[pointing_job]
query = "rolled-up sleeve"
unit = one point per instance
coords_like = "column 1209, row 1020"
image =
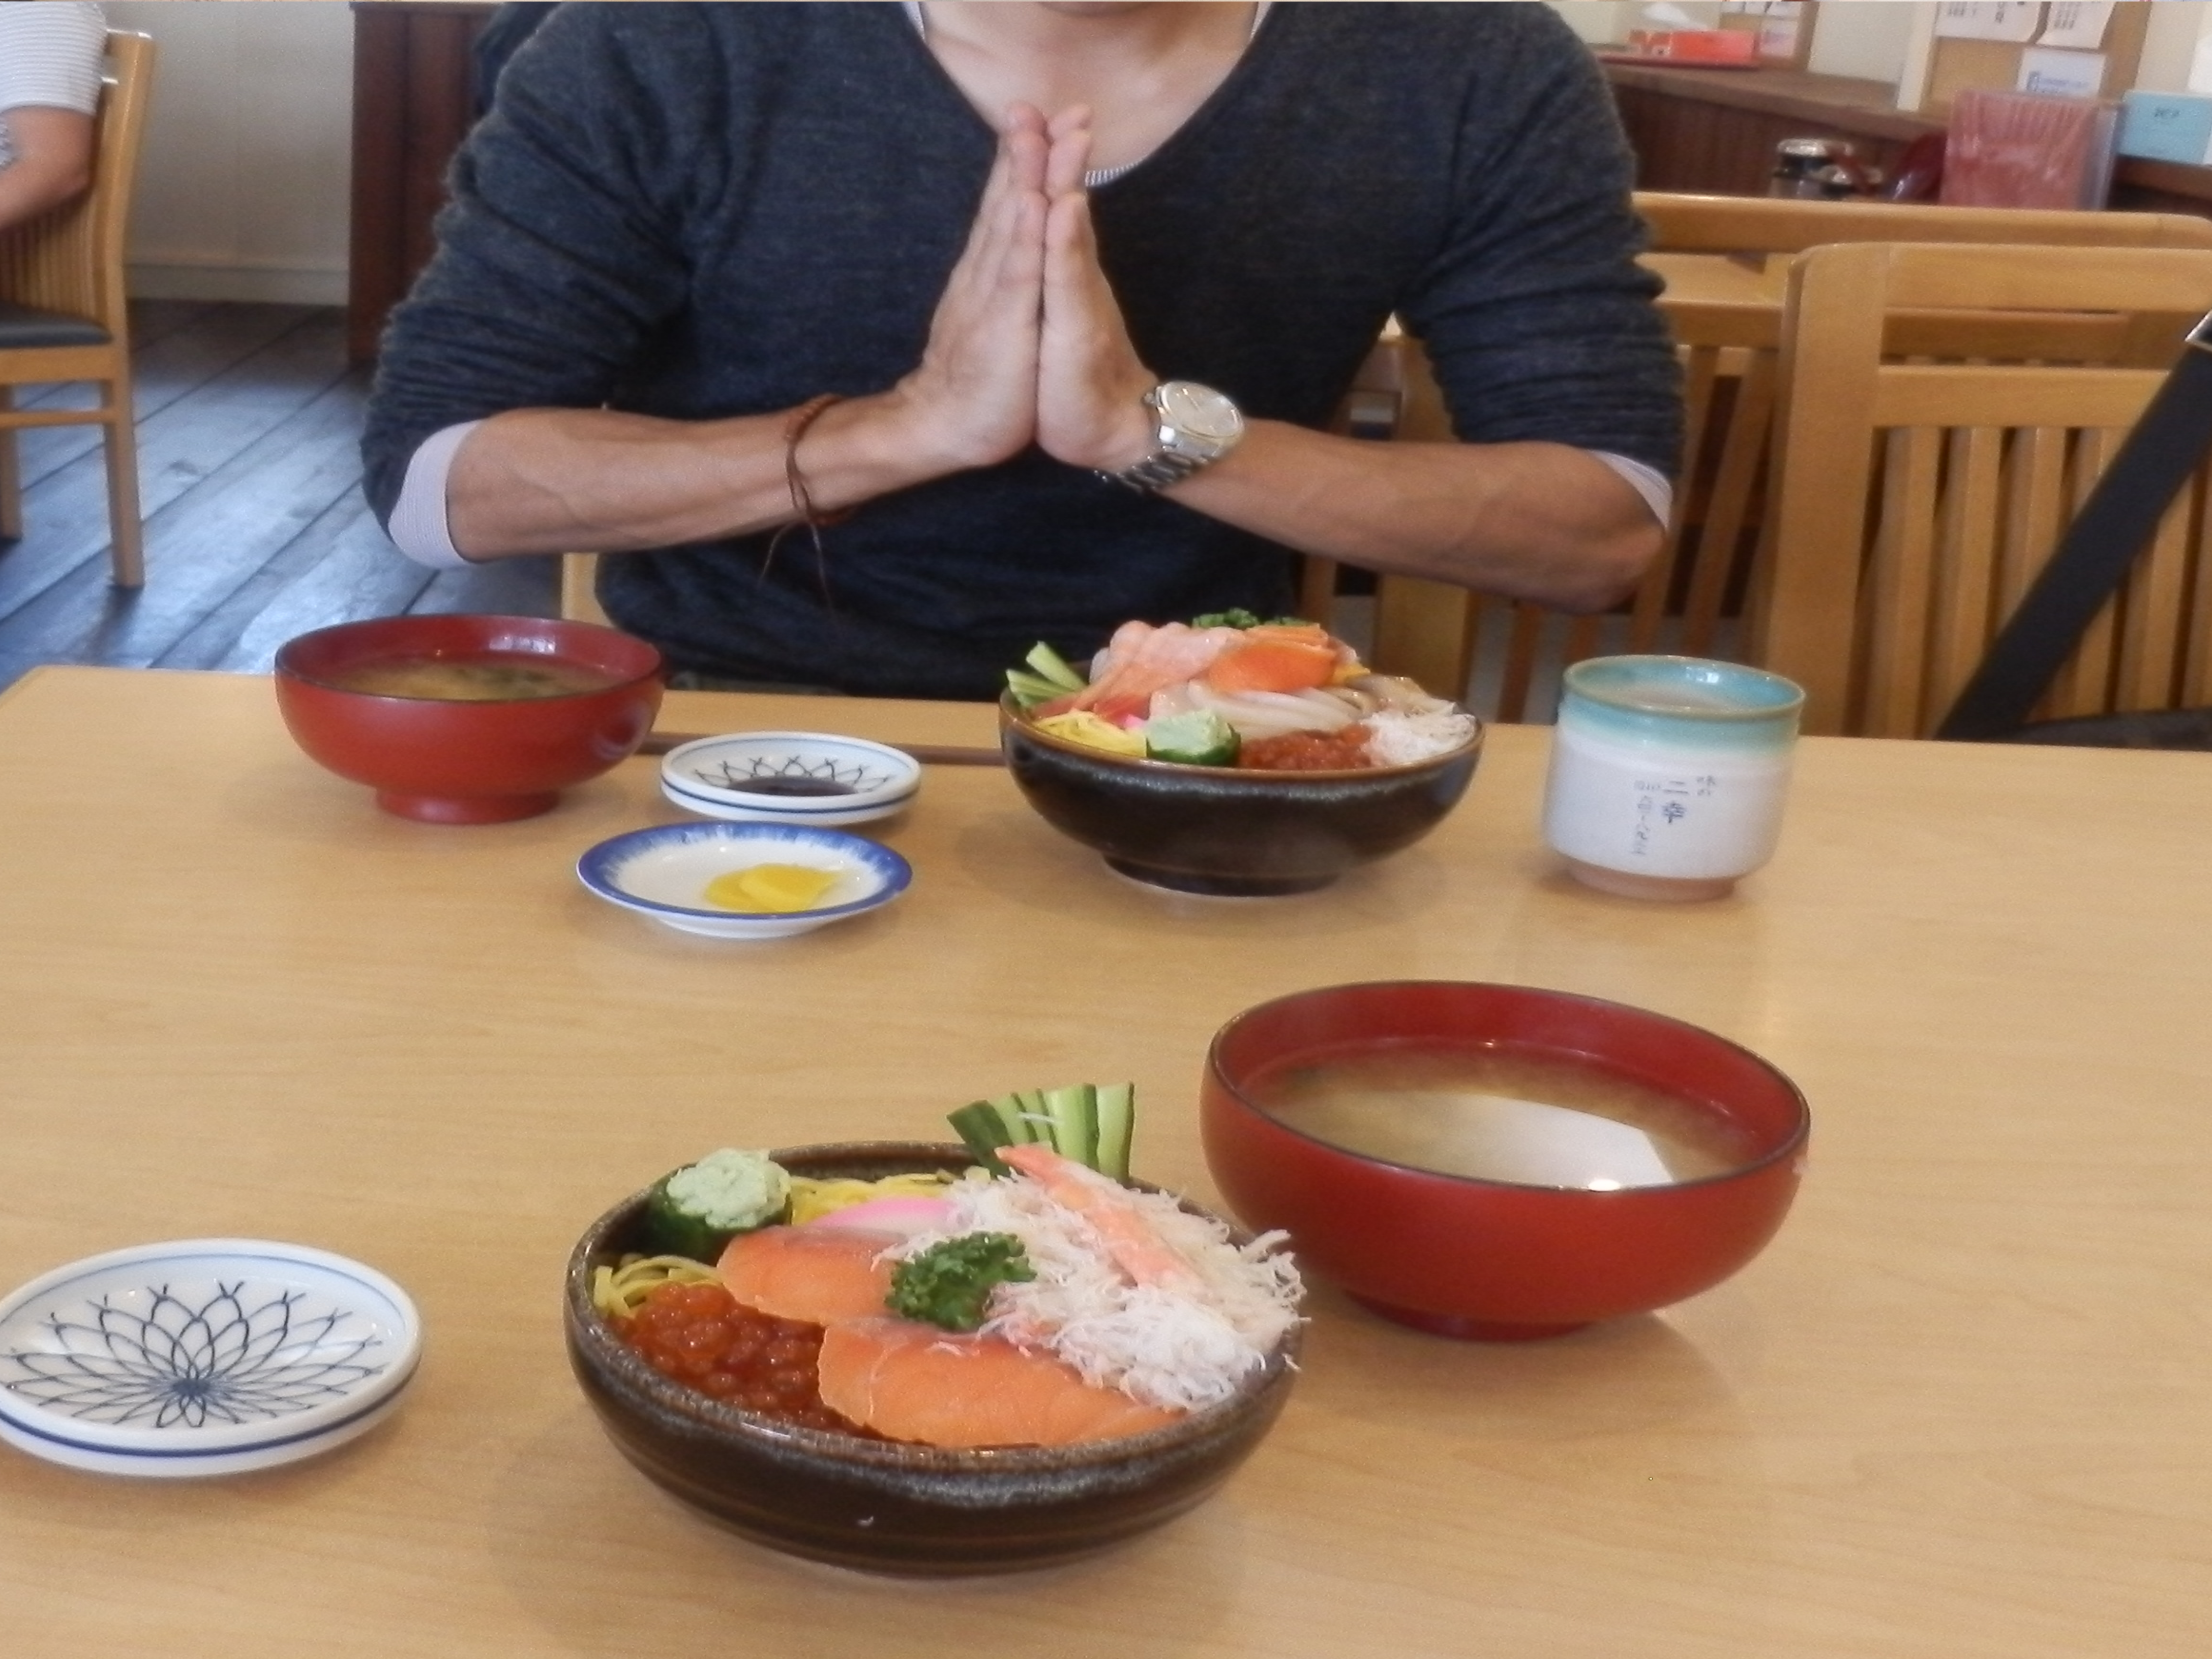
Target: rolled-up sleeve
column 560, row 252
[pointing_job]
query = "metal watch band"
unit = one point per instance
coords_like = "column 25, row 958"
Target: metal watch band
column 1159, row 469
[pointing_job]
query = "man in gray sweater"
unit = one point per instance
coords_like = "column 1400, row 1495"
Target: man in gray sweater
column 1027, row 316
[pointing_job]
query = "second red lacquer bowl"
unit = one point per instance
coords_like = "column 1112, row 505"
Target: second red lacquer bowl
column 1487, row 1259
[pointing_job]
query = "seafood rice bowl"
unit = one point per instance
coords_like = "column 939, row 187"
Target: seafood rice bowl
column 1231, row 756
column 818, row 1385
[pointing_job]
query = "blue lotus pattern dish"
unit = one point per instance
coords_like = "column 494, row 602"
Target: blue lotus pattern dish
column 225, row 1360
column 833, row 773
column 790, row 777
column 202, row 1357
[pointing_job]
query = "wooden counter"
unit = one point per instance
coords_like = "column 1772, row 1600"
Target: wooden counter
column 1958, row 1409
column 1713, row 132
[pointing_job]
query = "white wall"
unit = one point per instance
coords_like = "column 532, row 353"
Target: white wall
column 1865, row 38
column 1851, row 37
column 243, row 188
column 2170, row 43
column 1598, row 21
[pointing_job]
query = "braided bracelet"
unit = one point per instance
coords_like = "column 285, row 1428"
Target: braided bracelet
column 794, row 428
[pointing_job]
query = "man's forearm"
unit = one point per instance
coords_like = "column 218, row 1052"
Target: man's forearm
column 1539, row 521
column 555, row 480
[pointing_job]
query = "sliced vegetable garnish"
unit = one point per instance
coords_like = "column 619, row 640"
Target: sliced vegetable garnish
column 1049, row 664
column 1085, row 1121
column 1201, row 738
column 1238, row 616
column 701, row 1207
column 950, row 1284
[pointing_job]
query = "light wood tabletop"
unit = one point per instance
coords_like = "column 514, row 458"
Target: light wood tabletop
column 1959, row 1407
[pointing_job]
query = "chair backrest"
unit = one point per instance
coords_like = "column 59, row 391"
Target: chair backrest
column 1768, row 224
column 1916, row 499
column 1730, row 353
column 71, row 259
column 1766, row 232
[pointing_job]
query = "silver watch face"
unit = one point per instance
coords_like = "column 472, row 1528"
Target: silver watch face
column 1199, row 411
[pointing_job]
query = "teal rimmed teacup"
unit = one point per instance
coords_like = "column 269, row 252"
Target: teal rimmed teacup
column 1669, row 773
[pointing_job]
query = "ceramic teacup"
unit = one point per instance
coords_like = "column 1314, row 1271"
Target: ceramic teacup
column 1669, row 773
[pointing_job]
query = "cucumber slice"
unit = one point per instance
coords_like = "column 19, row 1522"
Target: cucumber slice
column 1049, row 664
column 1074, row 1114
column 1017, row 1116
column 1036, row 1119
column 982, row 1132
column 1030, row 690
column 1115, row 1109
column 1201, row 738
column 1092, row 1123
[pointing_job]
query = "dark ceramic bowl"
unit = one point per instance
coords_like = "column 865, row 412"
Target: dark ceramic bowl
column 878, row 1505
column 448, row 762
column 1216, row 830
column 1460, row 1256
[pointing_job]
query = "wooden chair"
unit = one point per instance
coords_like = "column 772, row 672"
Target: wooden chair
column 63, row 310
column 1728, row 335
column 1916, row 501
column 580, row 598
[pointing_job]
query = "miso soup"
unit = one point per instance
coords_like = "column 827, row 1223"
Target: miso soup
column 1533, row 1119
column 485, row 676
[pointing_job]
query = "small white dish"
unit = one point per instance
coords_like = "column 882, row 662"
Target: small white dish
column 202, row 1357
column 815, row 778
column 663, row 872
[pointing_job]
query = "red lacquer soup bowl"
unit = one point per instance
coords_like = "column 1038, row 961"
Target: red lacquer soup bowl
column 550, row 704
column 1476, row 1255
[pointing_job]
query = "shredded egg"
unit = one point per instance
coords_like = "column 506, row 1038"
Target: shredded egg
column 1094, row 732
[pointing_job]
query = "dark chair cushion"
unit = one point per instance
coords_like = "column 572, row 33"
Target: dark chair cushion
column 23, row 327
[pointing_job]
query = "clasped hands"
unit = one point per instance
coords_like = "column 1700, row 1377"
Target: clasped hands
column 1027, row 344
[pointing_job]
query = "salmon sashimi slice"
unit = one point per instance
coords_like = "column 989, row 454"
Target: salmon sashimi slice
column 1273, row 666
column 913, row 1381
column 815, row 1274
column 1168, row 655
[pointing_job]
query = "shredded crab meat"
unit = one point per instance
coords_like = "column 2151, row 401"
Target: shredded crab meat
column 1180, row 1340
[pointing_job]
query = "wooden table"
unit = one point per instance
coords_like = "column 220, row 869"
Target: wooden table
column 1722, row 298
column 1959, row 1408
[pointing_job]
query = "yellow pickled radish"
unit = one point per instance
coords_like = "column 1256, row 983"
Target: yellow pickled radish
column 770, row 889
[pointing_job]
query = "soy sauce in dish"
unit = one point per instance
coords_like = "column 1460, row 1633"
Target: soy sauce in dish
column 1498, row 1114
column 787, row 783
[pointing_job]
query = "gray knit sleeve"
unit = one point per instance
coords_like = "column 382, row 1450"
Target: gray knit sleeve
column 1539, row 321
column 561, row 253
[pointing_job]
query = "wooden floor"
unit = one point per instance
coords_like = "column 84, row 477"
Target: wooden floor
column 249, row 421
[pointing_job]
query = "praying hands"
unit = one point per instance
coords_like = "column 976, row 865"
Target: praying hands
column 1027, row 344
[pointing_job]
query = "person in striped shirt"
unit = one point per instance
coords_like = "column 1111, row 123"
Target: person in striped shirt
column 50, row 53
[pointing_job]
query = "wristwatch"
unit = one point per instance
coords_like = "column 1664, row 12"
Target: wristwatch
column 1195, row 425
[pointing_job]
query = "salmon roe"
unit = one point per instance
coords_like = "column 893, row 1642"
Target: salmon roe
column 700, row 1335
column 1307, row 752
